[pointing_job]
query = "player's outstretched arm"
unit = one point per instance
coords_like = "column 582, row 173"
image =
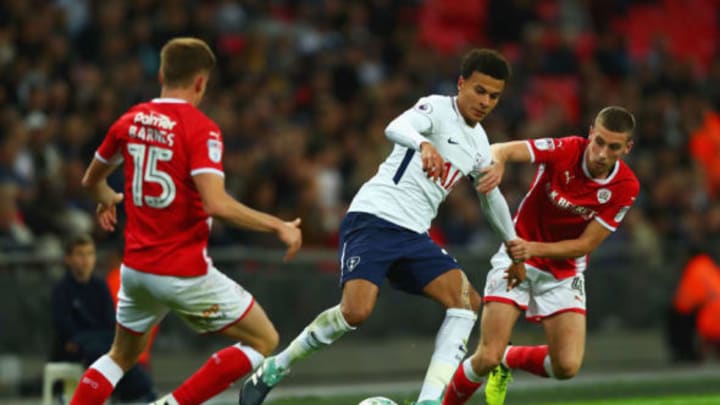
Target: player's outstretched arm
column 514, row 151
column 497, row 212
column 95, row 181
column 593, row 235
column 219, row 204
column 491, row 176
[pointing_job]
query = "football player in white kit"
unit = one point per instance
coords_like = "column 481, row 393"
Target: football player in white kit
column 384, row 234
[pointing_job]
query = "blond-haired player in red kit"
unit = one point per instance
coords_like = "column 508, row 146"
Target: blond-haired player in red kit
column 174, row 186
column 581, row 192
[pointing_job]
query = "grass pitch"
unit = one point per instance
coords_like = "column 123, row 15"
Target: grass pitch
column 631, row 389
column 673, row 400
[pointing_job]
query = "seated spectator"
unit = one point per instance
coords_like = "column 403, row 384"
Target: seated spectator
column 14, row 235
column 83, row 319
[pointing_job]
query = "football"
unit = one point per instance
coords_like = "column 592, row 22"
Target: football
column 377, row 401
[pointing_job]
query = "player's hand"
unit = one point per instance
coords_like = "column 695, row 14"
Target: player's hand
column 433, row 163
column 106, row 211
column 515, row 274
column 519, row 249
column 291, row 236
column 491, row 177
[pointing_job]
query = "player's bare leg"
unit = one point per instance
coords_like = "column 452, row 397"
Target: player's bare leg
column 255, row 330
column 496, row 324
column 358, row 301
column 453, row 291
column 257, row 338
column 565, row 334
column 562, row 357
column 99, row 380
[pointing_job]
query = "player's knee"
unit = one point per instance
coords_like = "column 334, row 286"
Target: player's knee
column 566, row 369
column 273, row 341
column 471, row 301
column 356, row 314
column 269, row 343
column 475, row 301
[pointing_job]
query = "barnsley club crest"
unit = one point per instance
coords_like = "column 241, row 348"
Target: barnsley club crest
column 603, row 195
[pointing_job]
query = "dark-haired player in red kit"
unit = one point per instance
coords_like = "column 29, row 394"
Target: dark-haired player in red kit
column 581, row 192
column 174, row 186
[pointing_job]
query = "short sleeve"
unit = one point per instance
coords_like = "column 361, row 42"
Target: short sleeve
column 206, row 150
column 109, row 151
column 543, row 150
column 614, row 213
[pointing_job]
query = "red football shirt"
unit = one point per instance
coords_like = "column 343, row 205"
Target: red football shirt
column 164, row 143
column 564, row 198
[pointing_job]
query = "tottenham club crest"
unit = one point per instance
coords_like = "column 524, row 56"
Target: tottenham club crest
column 352, row 262
column 603, row 195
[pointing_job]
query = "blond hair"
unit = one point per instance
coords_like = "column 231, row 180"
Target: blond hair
column 181, row 59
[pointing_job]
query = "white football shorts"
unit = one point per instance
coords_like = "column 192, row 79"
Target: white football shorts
column 541, row 295
column 208, row 303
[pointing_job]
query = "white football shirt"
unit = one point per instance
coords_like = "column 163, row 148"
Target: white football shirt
column 401, row 192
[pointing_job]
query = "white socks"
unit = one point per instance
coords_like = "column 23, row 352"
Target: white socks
column 470, row 372
column 450, row 349
column 253, row 355
column 328, row 327
column 109, row 369
column 547, row 364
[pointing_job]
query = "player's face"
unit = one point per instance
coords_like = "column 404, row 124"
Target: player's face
column 81, row 262
column 604, row 150
column 478, row 95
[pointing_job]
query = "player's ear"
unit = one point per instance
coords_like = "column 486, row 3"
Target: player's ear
column 629, row 146
column 160, row 78
column 460, row 82
column 199, row 84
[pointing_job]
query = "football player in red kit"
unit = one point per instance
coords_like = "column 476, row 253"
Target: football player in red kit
column 174, row 187
column 581, row 192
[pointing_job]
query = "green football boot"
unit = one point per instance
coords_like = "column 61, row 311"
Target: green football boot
column 497, row 385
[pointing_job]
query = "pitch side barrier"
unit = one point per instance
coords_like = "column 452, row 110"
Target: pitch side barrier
column 624, row 291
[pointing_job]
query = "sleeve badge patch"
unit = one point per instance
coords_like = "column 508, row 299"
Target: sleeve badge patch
column 424, row 108
column 621, row 214
column 214, row 150
column 544, row 144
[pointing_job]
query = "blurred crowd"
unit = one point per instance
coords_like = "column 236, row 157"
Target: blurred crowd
column 304, row 89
